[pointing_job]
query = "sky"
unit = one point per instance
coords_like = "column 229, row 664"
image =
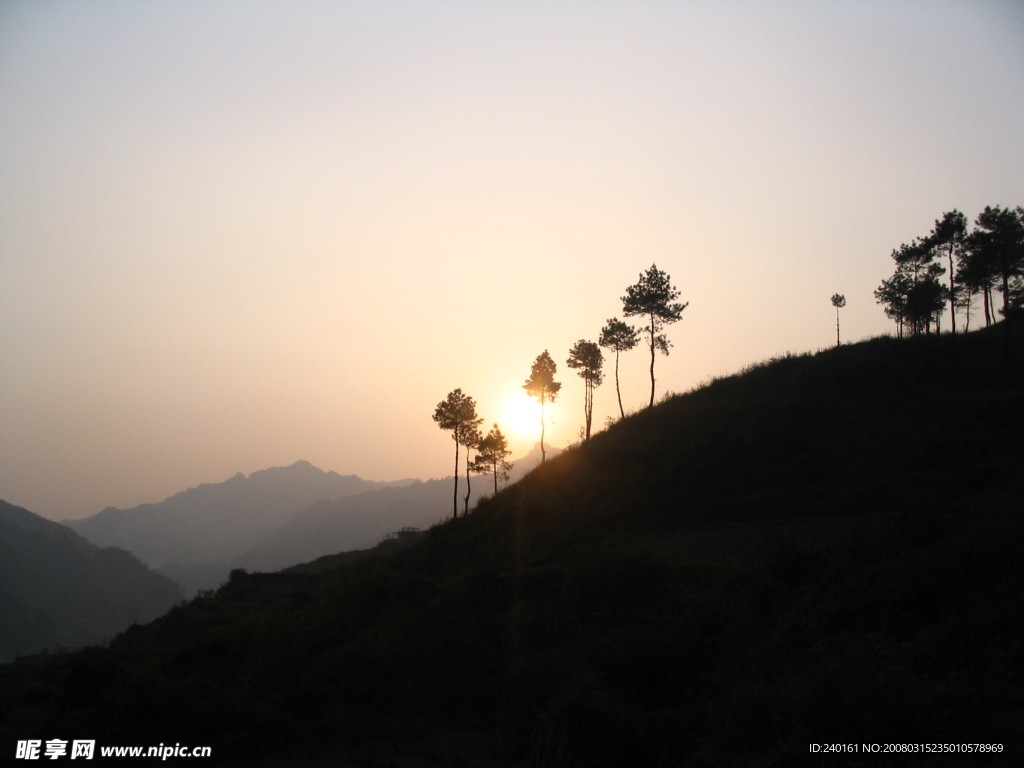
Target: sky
column 236, row 235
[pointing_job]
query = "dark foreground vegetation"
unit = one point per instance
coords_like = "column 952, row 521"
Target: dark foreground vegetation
column 825, row 548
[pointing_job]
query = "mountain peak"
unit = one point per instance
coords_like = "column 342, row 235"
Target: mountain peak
column 300, row 468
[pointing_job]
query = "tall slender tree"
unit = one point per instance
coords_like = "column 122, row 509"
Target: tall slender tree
column 838, row 301
column 457, row 414
column 586, row 357
column 998, row 243
column 999, row 240
column 976, row 277
column 654, row 297
column 492, row 456
column 543, row 388
column 620, row 337
column 948, row 236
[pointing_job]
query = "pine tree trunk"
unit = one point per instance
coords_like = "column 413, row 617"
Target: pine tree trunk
column 588, row 405
column 465, row 509
column 455, row 493
column 543, row 456
column 651, row 403
column 1006, row 318
column 952, row 293
column 618, row 393
column 590, row 410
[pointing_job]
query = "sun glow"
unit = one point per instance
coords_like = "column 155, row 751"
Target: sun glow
column 522, row 417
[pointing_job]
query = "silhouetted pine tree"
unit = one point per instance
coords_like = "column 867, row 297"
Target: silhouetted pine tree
column 492, row 456
column 457, row 414
column 654, row 297
column 949, row 236
column 542, row 387
column 587, row 358
column 621, row 337
column 838, row 301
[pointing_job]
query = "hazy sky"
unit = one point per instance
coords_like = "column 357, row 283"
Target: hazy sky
column 235, row 235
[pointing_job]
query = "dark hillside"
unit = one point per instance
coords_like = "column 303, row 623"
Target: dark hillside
column 59, row 591
column 886, row 424
column 822, row 549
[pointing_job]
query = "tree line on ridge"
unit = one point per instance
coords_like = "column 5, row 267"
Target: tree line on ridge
column 652, row 298
column 978, row 262
column 989, row 257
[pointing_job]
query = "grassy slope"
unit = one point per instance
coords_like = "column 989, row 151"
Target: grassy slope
column 823, row 548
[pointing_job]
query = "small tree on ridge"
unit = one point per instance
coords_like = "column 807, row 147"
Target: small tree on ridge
column 492, row 456
column 543, row 388
column 457, row 414
column 621, row 337
column 654, row 297
column 838, row 301
column 587, row 358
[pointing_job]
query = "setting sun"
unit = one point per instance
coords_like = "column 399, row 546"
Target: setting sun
column 522, row 417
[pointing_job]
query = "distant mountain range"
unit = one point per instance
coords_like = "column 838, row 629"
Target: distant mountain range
column 58, row 590
column 216, row 522
column 276, row 518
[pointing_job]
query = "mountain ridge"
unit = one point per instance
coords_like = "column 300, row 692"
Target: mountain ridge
column 215, row 522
